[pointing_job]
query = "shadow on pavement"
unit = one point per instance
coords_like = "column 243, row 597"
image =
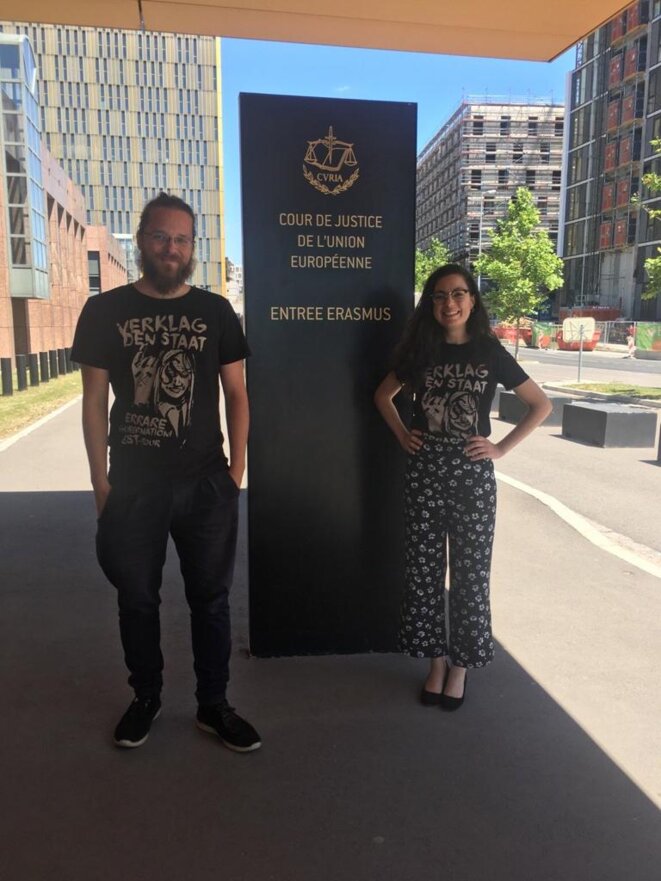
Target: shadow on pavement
column 355, row 781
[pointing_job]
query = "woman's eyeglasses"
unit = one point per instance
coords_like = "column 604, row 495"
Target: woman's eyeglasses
column 457, row 295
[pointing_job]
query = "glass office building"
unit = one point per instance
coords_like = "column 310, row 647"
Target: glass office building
column 22, row 170
column 128, row 114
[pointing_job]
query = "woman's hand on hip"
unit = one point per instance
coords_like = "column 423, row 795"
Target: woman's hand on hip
column 411, row 441
column 479, row 447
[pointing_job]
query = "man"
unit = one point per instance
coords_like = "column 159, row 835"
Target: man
column 162, row 345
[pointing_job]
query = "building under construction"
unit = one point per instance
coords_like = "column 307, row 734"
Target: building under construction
column 615, row 115
column 474, row 164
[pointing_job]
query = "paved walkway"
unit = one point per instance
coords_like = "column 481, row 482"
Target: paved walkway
column 550, row 771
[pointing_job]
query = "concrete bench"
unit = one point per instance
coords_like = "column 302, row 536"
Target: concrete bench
column 609, row 425
column 512, row 409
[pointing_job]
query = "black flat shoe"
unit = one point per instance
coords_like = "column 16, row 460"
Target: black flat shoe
column 453, row 703
column 432, row 698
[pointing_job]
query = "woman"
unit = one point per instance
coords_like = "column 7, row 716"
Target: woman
column 450, row 363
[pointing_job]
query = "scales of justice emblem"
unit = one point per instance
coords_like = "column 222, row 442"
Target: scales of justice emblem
column 334, row 163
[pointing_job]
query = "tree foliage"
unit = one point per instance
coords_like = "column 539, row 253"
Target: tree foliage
column 653, row 264
column 521, row 262
column 428, row 260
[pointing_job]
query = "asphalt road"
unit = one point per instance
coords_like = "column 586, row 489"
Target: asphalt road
column 616, row 488
column 609, row 361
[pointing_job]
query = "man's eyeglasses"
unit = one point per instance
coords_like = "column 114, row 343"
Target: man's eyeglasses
column 160, row 238
column 457, row 295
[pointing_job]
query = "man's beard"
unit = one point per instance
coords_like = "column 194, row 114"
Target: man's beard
column 164, row 283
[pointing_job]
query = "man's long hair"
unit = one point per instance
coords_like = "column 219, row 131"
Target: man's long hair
column 165, row 200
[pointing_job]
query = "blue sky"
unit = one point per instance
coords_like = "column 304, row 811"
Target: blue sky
column 436, row 83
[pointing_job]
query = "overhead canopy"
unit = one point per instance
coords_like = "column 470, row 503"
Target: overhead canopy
column 535, row 30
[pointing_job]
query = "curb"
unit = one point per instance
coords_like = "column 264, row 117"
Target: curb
column 599, row 536
column 601, row 396
column 13, row 438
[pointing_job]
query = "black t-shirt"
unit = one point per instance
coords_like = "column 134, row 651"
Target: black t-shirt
column 454, row 399
column 163, row 358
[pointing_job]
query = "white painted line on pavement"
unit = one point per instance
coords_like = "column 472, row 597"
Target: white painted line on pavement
column 583, row 526
column 8, row 442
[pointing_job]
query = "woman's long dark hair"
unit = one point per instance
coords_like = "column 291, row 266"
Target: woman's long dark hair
column 424, row 338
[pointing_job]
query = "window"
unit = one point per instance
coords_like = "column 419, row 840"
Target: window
column 476, row 179
column 654, row 91
column 639, row 101
column 576, row 202
column 490, row 154
column 589, row 47
column 503, row 178
column 559, row 126
column 580, row 123
column 653, row 228
column 556, row 180
column 545, row 153
column 574, row 239
column 532, row 125
column 505, row 125
column 637, row 139
column 478, row 125
column 530, row 178
column 94, row 271
column 578, row 81
column 517, row 153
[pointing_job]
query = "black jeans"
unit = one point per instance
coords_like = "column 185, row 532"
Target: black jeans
column 201, row 515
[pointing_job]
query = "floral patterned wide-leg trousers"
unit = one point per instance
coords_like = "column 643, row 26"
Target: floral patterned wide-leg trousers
column 450, row 504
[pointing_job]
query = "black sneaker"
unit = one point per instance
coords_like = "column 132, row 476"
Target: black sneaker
column 235, row 732
column 133, row 728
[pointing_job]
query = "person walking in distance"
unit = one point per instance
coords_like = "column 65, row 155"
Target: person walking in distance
column 165, row 348
column 631, row 341
column 450, row 363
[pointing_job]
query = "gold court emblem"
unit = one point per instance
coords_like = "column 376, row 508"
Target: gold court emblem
column 330, row 165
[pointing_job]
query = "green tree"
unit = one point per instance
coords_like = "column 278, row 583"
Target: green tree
column 435, row 255
column 653, row 264
column 521, row 263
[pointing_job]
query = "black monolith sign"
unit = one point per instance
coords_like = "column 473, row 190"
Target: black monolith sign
column 328, row 192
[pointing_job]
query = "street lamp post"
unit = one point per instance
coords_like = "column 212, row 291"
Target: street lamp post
column 479, row 243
